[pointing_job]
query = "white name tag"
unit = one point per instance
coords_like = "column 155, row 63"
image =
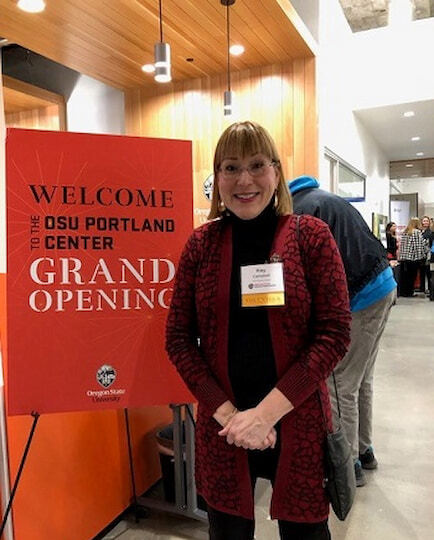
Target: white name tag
column 262, row 285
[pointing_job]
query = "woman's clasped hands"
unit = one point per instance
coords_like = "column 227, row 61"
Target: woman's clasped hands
column 248, row 430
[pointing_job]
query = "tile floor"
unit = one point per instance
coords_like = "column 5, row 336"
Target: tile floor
column 398, row 501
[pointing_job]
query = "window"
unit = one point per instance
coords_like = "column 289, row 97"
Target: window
column 345, row 180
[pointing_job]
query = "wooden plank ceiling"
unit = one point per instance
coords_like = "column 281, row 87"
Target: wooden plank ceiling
column 111, row 39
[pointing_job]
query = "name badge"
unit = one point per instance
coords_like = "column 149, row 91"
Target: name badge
column 262, row 285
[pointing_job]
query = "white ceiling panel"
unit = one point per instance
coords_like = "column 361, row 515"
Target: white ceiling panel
column 393, row 131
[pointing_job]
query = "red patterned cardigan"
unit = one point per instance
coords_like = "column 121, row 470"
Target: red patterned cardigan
column 310, row 334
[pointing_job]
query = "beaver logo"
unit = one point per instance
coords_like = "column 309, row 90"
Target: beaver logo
column 207, row 187
column 106, row 376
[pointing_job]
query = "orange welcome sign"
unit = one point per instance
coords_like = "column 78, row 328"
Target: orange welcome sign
column 95, row 227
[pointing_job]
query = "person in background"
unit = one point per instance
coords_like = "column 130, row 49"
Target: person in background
column 258, row 363
column 428, row 236
column 392, row 243
column 392, row 250
column 431, row 266
column 412, row 253
column 372, row 291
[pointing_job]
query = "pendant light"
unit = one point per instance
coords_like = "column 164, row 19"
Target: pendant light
column 162, row 55
column 228, row 95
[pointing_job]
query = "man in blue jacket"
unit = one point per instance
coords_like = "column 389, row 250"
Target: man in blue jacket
column 372, row 291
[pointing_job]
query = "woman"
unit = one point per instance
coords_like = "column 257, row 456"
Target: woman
column 428, row 236
column 259, row 373
column 412, row 253
column 392, row 244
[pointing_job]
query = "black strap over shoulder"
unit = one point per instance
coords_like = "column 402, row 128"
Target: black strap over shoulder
column 297, row 232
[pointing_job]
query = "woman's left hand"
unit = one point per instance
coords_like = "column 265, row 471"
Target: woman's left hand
column 247, row 429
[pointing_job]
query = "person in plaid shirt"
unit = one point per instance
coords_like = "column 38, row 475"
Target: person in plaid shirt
column 412, row 252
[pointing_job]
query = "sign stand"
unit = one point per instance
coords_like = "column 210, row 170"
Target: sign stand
column 20, row 470
column 185, row 488
column 139, row 511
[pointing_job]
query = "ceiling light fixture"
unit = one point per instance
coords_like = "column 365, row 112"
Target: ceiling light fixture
column 228, row 95
column 417, row 138
column 419, row 153
column 162, row 55
column 148, row 68
column 408, row 114
column 409, row 164
column 236, row 50
column 31, row 6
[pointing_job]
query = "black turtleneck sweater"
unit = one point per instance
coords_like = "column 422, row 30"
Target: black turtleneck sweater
column 252, row 369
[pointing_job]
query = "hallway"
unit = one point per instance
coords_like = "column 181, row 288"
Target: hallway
column 398, row 501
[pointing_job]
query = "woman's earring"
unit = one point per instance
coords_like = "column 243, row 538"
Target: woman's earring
column 276, row 199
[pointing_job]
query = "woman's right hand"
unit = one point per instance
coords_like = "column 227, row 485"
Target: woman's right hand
column 270, row 440
column 226, row 412
column 246, row 430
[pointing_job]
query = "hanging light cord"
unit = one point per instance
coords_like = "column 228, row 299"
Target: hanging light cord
column 161, row 21
column 229, row 56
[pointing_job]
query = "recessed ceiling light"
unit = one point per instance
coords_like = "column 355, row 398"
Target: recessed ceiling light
column 419, row 154
column 31, row 6
column 409, row 164
column 407, row 114
column 236, row 50
column 148, row 68
column 415, row 138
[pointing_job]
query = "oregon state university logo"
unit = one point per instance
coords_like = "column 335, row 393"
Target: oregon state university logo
column 208, row 187
column 106, row 376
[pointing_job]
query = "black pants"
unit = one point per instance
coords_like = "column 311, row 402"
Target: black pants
column 408, row 276
column 424, row 276
column 431, row 286
column 224, row 526
column 227, row 527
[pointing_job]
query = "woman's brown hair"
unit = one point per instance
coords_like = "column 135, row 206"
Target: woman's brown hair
column 244, row 139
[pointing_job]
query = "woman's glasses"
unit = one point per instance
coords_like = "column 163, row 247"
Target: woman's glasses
column 255, row 169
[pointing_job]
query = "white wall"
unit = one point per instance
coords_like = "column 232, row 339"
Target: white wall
column 339, row 129
column 392, row 64
column 94, row 107
column 375, row 165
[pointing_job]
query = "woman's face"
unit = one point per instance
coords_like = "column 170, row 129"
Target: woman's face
column 393, row 228
column 425, row 223
column 247, row 185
